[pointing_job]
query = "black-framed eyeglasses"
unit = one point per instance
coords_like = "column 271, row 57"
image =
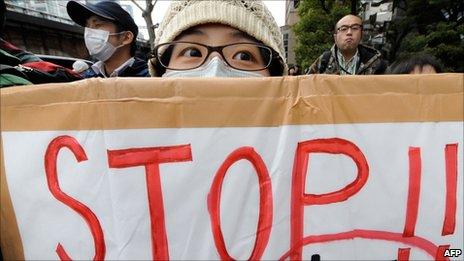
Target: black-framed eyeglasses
column 353, row 27
column 181, row 55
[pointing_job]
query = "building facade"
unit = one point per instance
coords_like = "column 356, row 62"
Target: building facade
column 377, row 15
column 44, row 27
column 291, row 18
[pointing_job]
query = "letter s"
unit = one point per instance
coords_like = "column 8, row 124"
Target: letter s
column 52, row 179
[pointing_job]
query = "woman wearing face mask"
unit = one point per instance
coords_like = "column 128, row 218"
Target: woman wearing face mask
column 110, row 37
column 230, row 38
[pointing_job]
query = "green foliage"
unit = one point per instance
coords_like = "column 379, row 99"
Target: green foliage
column 421, row 26
column 429, row 26
column 314, row 31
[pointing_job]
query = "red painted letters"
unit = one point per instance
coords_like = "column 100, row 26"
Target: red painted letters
column 265, row 202
column 403, row 254
column 151, row 158
column 300, row 198
column 451, row 159
column 413, row 192
column 52, row 179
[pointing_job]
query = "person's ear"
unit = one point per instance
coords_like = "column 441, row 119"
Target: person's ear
column 128, row 36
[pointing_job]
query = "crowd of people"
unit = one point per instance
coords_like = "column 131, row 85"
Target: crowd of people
column 200, row 39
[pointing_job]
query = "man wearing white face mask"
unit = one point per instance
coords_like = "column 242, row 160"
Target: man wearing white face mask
column 110, row 37
column 228, row 38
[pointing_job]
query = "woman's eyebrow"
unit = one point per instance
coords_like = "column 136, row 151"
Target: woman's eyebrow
column 191, row 31
column 240, row 34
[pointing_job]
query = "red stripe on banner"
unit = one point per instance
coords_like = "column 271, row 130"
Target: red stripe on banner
column 299, row 199
column 85, row 212
column 440, row 254
column 413, row 192
column 151, row 157
column 156, row 208
column 403, row 254
column 430, row 248
column 263, row 229
column 451, row 159
column 62, row 253
column 140, row 156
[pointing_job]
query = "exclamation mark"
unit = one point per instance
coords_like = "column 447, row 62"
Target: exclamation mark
column 451, row 160
column 413, row 199
column 440, row 256
column 414, row 191
column 449, row 222
column 403, row 254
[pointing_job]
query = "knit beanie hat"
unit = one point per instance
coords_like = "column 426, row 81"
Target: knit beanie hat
column 249, row 16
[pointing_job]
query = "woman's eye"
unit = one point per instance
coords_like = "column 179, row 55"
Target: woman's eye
column 191, row 52
column 243, row 56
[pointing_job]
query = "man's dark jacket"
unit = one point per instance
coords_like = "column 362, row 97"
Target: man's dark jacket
column 370, row 62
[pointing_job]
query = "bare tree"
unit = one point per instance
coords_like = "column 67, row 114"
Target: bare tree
column 146, row 14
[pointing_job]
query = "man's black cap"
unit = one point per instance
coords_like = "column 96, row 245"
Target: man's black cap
column 112, row 11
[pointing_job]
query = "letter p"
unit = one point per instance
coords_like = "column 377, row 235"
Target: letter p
column 300, row 198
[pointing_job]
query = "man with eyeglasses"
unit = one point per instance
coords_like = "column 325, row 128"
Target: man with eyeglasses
column 347, row 56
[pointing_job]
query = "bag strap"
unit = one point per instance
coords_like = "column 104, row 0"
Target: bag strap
column 324, row 61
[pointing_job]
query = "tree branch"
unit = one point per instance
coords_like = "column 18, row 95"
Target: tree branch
column 151, row 5
column 148, row 5
column 137, row 4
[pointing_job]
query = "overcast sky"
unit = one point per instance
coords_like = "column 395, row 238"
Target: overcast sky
column 277, row 8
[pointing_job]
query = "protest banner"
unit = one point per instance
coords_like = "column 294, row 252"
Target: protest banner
column 343, row 167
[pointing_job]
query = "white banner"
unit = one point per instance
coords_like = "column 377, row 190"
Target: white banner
column 371, row 191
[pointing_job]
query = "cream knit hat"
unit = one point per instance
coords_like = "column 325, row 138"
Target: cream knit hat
column 249, row 16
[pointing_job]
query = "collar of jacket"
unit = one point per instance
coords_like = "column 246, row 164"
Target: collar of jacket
column 139, row 68
column 367, row 55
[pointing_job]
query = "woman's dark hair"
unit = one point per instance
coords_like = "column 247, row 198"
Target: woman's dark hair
column 133, row 47
column 159, row 69
column 276, row 68
column 406, row 66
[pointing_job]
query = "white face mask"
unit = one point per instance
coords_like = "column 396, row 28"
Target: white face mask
column 215, row 68
column 97, row 43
